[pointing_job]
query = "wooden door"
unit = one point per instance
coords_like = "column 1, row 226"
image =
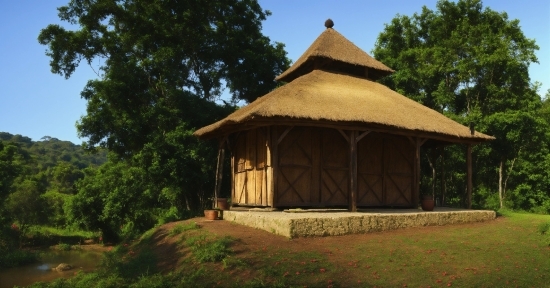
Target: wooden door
column 370, row 171
column 334, row 168
column 398, row 164
column 295, row 163
column 384, row 171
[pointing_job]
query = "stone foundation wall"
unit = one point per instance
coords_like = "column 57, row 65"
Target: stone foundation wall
column 327, row 224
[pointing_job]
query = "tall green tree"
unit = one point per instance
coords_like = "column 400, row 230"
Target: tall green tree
column 164, row 64
column 471, row 64
column 154, row 50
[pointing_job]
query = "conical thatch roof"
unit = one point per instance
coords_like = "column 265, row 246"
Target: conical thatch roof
column 332, row 51
column 330, row 85
column 342, row 99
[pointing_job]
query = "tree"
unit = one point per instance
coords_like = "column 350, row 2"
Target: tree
column 154, row 51
column 470, row 64
column 164, row 64
column 26, row 204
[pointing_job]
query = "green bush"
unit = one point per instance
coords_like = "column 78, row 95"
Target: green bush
column 543, row 228
column 126, row 263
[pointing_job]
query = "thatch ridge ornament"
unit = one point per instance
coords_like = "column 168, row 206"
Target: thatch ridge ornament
column 329, row 23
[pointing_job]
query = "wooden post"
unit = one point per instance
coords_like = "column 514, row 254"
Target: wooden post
column 274, row 164
column 416, row 177
column 434, row 170
column 443, row 184
column 353, row 171
column 219, row 172
column 469, row 175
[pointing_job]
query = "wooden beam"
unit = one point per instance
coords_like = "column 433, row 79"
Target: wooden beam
column 343, row 134
column 258, row 122
column 219, row 172
column 361, row 136
column 233, row 196
column 469, row 176
column 353, row 171
column 284, row 134
column 443, row 184
column 274, row 165
column 416, row 191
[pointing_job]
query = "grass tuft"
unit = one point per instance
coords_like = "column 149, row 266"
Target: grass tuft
column 178, row 229
column 543, row 228
column 207, row 250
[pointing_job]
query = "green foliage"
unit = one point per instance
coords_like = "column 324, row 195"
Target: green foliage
column 208, row 250
column 471, row 64
column 26, row 205
column 153, row 53
column 182, row 228
column 13, row 258
column 164, row 65
column 126, row 263
column 37, row 178
column 63, row 247
column 543, row 228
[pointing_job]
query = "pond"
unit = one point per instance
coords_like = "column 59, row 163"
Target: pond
column 81, row 260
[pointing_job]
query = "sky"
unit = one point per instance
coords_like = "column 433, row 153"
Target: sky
column 36, row 103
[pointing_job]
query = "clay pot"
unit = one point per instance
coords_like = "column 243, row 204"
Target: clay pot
column 222, row 204
column 427, row 203
column 211, row 214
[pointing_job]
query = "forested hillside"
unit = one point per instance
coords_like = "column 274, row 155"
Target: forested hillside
column 40, row 176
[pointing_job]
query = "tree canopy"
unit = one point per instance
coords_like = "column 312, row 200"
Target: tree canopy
column 155, row 53
column 164, row 64
column 471, row 64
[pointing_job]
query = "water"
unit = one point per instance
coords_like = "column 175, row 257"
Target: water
column 42, row 271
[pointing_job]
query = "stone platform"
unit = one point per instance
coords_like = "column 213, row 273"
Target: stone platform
column 326, row 222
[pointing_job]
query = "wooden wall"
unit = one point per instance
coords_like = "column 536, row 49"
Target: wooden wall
column 310, row 167
column 251, row 168
column 385, row 167
column 313, row 168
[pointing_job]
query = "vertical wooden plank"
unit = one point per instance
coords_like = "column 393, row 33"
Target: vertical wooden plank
column 443, row 186
column 233, row 172
column 434, row 170
column 219, row 170
column 315, row 195
column 353, row 171
column 416, row 194
column 385, row 159
column 268, row 169
column 469, row 175
column 219, row 173
column 251, row 166
column 274, row 165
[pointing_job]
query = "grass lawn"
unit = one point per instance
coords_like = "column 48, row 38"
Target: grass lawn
column 507, row 252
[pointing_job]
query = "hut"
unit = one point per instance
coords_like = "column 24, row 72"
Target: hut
column 332, row 136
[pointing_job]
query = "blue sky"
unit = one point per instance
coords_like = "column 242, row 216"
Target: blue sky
column 35, row 103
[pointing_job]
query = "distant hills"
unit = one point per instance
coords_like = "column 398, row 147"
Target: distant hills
column 48, row 152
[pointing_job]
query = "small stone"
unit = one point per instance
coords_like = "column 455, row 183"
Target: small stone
column 63, row 267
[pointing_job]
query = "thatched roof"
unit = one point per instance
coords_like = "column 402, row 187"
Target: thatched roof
column 332, row 51
column 339, row 99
